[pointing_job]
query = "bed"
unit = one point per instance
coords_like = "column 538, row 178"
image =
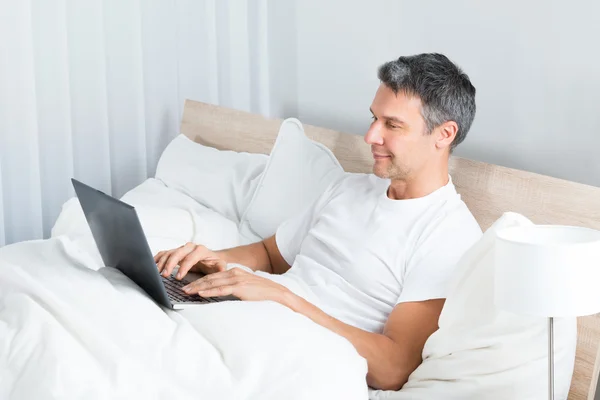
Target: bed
column 489, row 190
column 75, row 330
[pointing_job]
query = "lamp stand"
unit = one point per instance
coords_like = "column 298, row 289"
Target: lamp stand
column 551, row 358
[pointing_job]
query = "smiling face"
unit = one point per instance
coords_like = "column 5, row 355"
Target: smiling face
column 401, row 147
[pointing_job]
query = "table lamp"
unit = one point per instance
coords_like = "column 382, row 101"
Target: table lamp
column 548, row 271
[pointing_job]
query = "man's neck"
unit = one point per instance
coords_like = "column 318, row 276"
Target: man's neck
column 419, row 186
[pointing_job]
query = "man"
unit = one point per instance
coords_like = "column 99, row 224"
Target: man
column 376, row 250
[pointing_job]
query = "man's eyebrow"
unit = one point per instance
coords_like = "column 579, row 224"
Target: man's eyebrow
column 389, row 118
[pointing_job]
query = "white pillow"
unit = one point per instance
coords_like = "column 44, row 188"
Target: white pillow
column 223, row 181
column 297, row 173
column 169, row 219
column 480, row 352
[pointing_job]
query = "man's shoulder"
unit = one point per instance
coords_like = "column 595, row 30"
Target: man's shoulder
column 458, row 223
column 452, row 230
column 448, row 219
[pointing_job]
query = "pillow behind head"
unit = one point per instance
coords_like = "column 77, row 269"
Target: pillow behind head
column 223, row 181
column 297, row 173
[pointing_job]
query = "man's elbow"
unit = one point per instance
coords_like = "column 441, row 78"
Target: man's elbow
column 388, row 380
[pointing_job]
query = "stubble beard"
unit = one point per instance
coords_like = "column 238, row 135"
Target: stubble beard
column 390, row 171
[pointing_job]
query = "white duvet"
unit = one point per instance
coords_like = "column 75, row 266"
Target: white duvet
column 72, row 330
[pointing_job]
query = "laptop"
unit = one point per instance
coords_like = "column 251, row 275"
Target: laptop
column 122, row 244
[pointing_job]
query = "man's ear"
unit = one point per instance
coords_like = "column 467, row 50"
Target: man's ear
column 446, row 133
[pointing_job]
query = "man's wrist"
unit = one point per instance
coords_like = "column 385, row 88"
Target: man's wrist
column 289, row 299
column 221, row 255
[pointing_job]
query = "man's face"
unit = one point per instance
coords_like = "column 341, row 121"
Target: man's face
column 398, row 138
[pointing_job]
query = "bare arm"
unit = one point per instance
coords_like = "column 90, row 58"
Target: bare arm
column 393, row 355
column 261, row 256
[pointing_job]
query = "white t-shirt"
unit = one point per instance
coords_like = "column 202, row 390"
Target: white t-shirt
column 361, row 253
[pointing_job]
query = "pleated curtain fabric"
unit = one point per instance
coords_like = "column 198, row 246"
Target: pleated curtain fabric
column 94, row 89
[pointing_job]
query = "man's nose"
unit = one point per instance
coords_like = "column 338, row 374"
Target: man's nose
column 373, row 135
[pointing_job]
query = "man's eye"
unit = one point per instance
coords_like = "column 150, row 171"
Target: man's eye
column 374, row 118
column 391, row 126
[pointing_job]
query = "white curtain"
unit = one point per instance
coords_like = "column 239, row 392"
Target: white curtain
column 94, row 89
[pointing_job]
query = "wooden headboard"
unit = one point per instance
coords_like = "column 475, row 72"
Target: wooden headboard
column 489, row 190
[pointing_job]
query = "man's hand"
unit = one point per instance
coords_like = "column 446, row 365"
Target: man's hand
column 189, row 257
column 241, row 284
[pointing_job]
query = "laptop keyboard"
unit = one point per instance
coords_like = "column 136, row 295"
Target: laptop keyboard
column 173, row 287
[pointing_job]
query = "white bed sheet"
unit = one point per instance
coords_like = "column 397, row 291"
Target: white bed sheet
column 70, row 329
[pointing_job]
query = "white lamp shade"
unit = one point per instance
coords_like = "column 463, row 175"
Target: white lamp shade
column 547, row 270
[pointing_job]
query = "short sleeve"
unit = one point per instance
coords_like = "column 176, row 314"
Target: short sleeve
column 291, row 233
column 430, row 268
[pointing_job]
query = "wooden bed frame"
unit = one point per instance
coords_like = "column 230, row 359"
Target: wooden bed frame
column 489, row 190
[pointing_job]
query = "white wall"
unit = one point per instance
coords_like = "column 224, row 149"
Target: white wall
column 535, row 64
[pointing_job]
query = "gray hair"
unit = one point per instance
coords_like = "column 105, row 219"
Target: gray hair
column 445, row 91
